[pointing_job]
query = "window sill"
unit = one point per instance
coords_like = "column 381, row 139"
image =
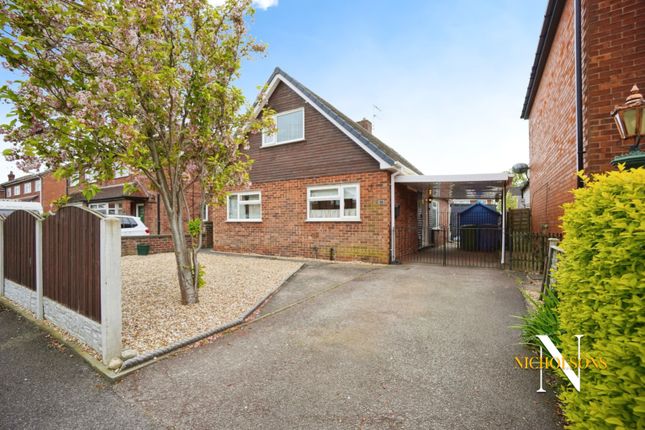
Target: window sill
column 243, row 220
column 335, row 220
column 262, row 146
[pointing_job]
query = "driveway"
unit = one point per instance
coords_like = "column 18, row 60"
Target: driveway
column 372, row 347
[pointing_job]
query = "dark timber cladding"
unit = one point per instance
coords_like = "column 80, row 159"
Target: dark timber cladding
column 326, row 151
column 71, row 260
column 20, row 249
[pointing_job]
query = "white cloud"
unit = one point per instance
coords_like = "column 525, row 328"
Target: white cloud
column 260, row 4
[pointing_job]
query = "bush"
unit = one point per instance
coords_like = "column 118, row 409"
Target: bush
column 543, row 319
column 600, row 281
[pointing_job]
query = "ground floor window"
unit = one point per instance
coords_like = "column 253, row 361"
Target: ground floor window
column 107, row 208
column 244, row 206
column 333, row 203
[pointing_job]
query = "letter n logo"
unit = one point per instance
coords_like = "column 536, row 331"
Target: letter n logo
column 568, row 372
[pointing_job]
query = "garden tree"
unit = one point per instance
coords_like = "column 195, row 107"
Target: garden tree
column 142, row 84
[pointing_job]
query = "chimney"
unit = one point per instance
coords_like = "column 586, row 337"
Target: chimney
column 11, row 176
column 365, row 124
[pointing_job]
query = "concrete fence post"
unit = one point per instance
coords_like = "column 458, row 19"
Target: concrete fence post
column 39, row 269
column 2, row 256
column 110, row 288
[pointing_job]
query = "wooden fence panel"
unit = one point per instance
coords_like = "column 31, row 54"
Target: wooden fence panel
column 72, row 260
column 20, row 248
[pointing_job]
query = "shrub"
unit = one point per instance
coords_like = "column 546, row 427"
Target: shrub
column 600, row 281
column 543, row 319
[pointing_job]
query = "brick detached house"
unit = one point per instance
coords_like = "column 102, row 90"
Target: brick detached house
column 322, row 187
column 590, row 53
column 40, row 188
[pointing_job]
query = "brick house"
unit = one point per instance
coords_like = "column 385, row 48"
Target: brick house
column 325, row 187
column 144, row 203
column 589, row 55
column 40, row 188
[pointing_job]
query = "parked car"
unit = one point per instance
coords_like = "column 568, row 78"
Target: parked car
column 132, row 226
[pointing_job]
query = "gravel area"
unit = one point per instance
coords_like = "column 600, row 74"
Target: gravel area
column 153, row 315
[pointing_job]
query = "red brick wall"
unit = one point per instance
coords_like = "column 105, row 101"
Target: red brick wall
column 552, row 130
column 407, row 233
column 284, row 230
column 613, row 37
column 51, row 189
column 613, row 43
column 158, row 243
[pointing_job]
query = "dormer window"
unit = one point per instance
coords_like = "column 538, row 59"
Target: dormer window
column 290, row 127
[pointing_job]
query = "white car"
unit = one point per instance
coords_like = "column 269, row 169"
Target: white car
column 132, row 226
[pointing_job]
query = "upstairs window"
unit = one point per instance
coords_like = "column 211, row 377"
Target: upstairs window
column 290, row 127
column 244, row 207
column 333, row 203
column 16, row 190
column 27, row 187
column 121, row 172
column 8, row 191
column 37, row 185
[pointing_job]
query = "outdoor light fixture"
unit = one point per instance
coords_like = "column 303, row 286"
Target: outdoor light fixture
column 630, row 120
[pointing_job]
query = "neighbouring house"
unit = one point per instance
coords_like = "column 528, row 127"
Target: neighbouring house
column 144, row 203
column 571, row 93
column 40, row 188
column 323, row 186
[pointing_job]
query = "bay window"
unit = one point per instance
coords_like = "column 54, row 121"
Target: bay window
column 244, row 207
column 290, row 127
column 333, row 203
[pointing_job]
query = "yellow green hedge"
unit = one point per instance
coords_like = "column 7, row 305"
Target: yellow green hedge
column 600, row 282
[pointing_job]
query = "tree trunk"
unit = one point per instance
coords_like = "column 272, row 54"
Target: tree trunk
column 182, row 257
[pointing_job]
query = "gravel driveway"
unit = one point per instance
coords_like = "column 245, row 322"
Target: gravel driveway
column 153, row 315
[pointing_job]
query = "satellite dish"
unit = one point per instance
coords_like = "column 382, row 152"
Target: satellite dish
column 520, row 168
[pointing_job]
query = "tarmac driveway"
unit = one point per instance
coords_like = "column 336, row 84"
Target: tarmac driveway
column 363, row 347
column 387, row 347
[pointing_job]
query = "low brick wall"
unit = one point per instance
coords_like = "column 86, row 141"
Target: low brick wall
column 158, row 243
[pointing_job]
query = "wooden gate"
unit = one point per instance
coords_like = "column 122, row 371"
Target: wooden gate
column 71, row 260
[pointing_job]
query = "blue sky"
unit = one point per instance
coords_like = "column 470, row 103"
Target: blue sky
column 448, row 76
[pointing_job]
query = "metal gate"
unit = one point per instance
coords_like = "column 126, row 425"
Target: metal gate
column 474, row 242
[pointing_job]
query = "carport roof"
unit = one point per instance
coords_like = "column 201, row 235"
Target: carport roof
column 475, row 186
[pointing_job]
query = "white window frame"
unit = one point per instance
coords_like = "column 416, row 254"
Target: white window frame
column 27, row 187
column 240, row 203
column 16, row 190
column 434, row 208
column 275, row 142
column 8, row 191
column 105, row 208
column 121, row 172
column 37, row 185
column 341, row 191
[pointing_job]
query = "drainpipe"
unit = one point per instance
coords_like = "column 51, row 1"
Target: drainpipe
column 578, row 54
column 503, row 225
column 392, row 218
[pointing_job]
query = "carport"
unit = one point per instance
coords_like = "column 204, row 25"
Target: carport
column 436, row 242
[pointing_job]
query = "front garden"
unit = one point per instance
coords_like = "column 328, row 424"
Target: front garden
column 153, row 316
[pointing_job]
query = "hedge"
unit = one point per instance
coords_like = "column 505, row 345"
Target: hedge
column 600, row 282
